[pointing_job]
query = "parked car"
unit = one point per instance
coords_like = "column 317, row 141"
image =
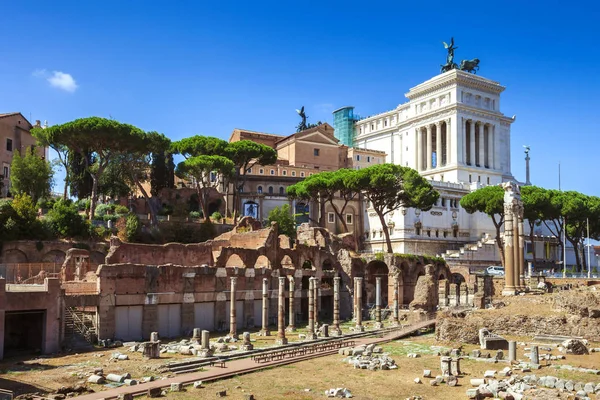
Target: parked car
column 495, row 270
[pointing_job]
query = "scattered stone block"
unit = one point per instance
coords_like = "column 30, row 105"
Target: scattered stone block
column 130, row 382
column 489, row 374
column 473, row 393
column 176, row 387
column 99, row 379
column 417, row 380
column 125, row 396
column 115, row 378
column 452, row 381
column 154, row 392
column 249, row 397
column 478, row 382
column 222, row 393
column 433, row 382
column 427, row 373
column 197, row 384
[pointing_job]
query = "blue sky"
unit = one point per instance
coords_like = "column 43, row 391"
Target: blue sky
column 191, row 67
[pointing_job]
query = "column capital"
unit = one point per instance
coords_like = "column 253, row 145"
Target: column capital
column 282, row 280
column 233, row 279
column 428, row 127
column 438, row 123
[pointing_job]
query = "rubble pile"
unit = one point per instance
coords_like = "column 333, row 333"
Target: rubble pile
column 369, row 357
column 338, row 392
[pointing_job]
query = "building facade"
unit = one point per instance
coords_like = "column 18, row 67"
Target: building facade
column 14, row 137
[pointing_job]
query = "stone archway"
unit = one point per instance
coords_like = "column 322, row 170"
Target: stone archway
column 54, row 256
column 374, row 270
column 235, row 261
column 14, row 256
column 261, row 262
column 456, row 282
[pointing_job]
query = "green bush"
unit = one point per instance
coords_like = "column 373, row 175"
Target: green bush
column 217, row 216
column 195, row 214
column 121, row 210
column 83, row 204
column 102, row 210
column 284, row 219
column 110, row 217
column 46, row 203
column 65, row 220
column 133, row 226
column 166, row 209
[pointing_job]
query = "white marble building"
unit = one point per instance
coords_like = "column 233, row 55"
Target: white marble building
column 453, row 132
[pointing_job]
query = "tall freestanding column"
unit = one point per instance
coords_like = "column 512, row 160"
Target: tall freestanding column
column 281, row 339
column 359, row 325
column 232, row 316
column 310, row 335
column 521, row 251
column 292, row 324
column 395, row 320
column 448, row 147
column 378, row 323
column 316, row 299
column 516, row 257
column 429, row 147
column 265, row 308
column 509, row 272
column 335, row 326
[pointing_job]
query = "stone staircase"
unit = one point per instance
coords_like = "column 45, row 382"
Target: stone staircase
column 482, row 253
column 80, row 328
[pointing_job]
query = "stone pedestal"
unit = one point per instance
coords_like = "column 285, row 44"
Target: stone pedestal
column 196, row 336
column 281, row 339
column 395, row 319
column 246, row 345
column 455, row 366
column 535, row 355
column 151, row 350
column 154, row 337
column 446, row 365
column 324, row 330
column 512, row 351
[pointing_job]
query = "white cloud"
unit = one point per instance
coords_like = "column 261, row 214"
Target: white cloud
column 57, row 79
column 63, row 81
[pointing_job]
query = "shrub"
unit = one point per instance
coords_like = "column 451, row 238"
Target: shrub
column 133, row 226
column 102, row 210
column 195, row 214
column 166, row 209
column 283, row 217
column 66, row 221
column 119, row 209
column 216, row 216
column 83, row 204
column 46, row 203
column 110, row 217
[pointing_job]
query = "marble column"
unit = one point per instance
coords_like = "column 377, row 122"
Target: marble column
column 359, row 326
column 292, row 323
column 438, row 144
column 281, row 339
column 429, row 146
column 472, row 142
column 232, row 316
column 481, row 144
column 378, row 323
column 316, row 297
column 497, row 156
column 490, row 147
column 521, row 253
column 463, row 133
column 516, row 257
column 265, row 308
column 311, row 310
column 509, row 280
column 419, row 149
column 395, row 319
column 448, row 148
column 335, row 326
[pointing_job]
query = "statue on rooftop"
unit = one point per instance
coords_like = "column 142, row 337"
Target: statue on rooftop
column 302, row 125
column 470, row 65
column 450, row 64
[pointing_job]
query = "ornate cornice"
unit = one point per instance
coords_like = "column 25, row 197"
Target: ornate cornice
column 453, row 78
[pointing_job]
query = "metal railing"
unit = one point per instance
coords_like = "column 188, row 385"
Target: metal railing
column 23, row 272
column 301, row 351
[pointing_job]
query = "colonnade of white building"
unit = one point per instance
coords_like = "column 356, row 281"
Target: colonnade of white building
column 433, row 139
column 478, row 146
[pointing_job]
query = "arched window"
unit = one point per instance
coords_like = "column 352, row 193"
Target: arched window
column 281, row 190
column 259, row 189
column 270, row 189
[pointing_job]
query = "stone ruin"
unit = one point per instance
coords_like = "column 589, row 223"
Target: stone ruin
column 490, row 341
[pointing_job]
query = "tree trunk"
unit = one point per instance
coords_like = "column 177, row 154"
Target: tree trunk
column 65, row 188
column 576, row 251
column 340, row 215
column 202, row 199
column 531, row 237
column 94, row 197
column 322, row 219
column 153, row 218
column 386, row 232
column 499, row 240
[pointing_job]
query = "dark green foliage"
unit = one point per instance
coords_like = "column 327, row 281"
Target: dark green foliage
column 162, row 172
column 39, row 245
column 216, row 216
column 65, row 220
column 133, row 228
column 80, row 180
column 18, row 220
column 187, row 232
column 113, row 182
column 46, row 203
column 195, row 214
column 283, row 216
column 31, row 174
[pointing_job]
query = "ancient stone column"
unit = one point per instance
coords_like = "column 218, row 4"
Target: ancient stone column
column 448, row 151
column 205, row 342
column 292, row 317
column 246, row 345
column 509, row 275
column 154, row 337
column 535, row 355
column 316, row 298
column 521, row 253
column 265, row 308
column 429, row 147
column 512, row 351
column 472, row 142
column 516, row 257
column 419, row 150
column 378, row 323
column 395, row 319
column 335, row 327
column 354, row 300
column 281, row 339
column 232, row 317
column 359, row 326
column 481, row 144
column 311, row 310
